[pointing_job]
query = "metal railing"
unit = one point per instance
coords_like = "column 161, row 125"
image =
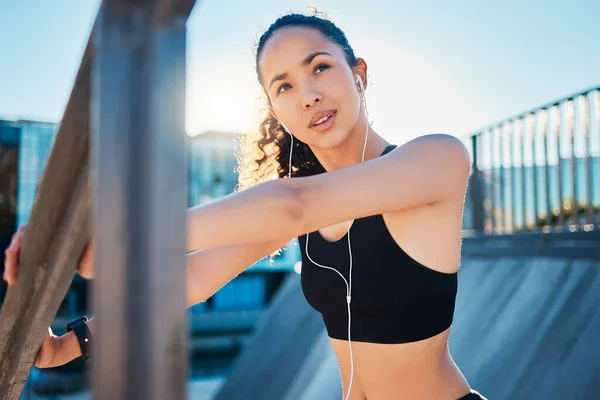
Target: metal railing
column 538, row 171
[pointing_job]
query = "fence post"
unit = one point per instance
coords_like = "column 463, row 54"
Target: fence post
column 139, row 168
column 476, row 189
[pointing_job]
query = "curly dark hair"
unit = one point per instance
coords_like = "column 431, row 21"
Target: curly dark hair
column 265, row 155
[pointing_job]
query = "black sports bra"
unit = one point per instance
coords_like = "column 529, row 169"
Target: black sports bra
column 395, row 299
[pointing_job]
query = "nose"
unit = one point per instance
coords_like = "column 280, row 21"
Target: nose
column 310, row 99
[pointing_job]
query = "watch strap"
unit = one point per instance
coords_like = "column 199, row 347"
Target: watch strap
column 84, row 336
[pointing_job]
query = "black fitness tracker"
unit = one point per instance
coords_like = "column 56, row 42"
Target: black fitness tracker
column 84, row 336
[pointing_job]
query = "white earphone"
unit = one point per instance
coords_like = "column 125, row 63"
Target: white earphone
column 349, row 281
column 360, row 83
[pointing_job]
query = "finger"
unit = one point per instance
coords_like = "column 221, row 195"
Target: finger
column 11, row 278
column 9, row 267
column 12, row 247
column 12, row 254
column 8, row 273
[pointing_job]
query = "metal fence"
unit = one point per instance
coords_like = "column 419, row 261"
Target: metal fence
column 538, row 171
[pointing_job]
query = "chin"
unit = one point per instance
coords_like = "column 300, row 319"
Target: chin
column 330, row 140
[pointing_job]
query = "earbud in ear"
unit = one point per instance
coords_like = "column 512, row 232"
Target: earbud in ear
column 360, row 82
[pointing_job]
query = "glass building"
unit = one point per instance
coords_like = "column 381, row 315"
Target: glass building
column 9, row 151
column 36, row 142
column 24, row 150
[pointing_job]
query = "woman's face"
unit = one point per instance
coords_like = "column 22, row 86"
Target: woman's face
column 311, row 87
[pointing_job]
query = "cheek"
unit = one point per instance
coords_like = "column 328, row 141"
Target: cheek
column 349, row 101
column 285, row 111
column 342, row 90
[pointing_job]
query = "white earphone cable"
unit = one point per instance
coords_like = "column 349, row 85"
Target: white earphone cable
column 349, row 281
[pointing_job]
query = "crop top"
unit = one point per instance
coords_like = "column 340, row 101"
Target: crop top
column 395, row 299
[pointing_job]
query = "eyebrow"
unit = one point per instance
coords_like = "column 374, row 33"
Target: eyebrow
column 305, row 62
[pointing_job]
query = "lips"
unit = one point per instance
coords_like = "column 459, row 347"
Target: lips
column 321, row 118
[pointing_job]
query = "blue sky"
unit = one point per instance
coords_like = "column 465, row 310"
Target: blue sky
column 435, row 66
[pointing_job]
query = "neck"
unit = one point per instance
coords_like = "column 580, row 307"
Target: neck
column 350, row 151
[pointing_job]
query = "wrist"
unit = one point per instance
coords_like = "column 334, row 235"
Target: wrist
column 69, row 348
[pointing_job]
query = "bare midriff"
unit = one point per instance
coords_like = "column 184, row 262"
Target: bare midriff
column 422, row 370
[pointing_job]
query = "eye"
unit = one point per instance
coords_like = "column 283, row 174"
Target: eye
column 285, row 85
column 321, row 67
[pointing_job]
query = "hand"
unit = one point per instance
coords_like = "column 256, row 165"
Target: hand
column 57, row 350
column 11, row 261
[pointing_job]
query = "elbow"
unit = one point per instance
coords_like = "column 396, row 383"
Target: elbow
column 454, row 154
column 458, row 166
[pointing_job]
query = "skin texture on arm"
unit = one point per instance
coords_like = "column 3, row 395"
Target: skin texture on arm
column 425, row 171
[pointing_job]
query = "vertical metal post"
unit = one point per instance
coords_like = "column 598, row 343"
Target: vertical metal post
column 476, row 187
column 507, row 132
column 488, row 181
column 596, row 115
column 561, row 210
column 524, row 136
column 536, row 192
column 139, row 170
column 546, row 113
column 588, row 120
column 502, row 224
column 572, row 119
column 493, row 181
column 510, row 133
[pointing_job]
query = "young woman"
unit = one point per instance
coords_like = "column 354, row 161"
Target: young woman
column 387, row 294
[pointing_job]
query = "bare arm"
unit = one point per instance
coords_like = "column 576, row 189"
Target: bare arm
column 206, row 272
column 428, row 170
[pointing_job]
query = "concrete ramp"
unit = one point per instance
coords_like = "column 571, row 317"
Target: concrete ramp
column 529, row 328
column 319, row 377
column 523, row 329
column 280, row 346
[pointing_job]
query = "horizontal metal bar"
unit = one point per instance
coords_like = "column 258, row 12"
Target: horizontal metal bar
column 579, row 236
column 534, row 110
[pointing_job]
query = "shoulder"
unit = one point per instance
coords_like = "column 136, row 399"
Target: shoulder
column 435, row 145
column 436, row 153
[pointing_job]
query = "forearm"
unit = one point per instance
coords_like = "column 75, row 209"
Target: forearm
column 262, row 213
column 208, row 270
